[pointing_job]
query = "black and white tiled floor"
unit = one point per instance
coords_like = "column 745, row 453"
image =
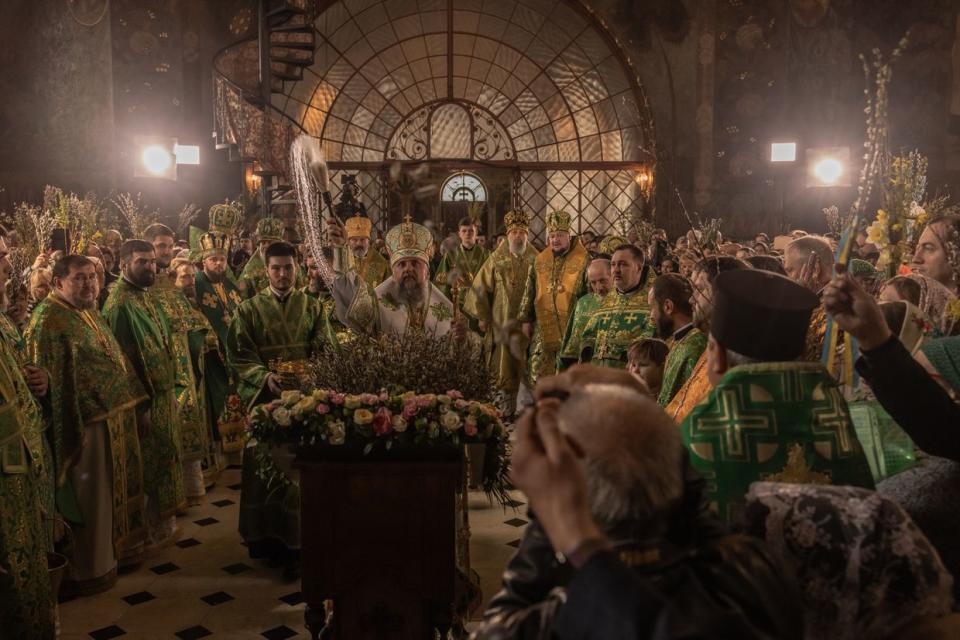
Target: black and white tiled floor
column 206, row 586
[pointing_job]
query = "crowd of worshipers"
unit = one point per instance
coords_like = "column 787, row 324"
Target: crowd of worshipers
column 693, row 469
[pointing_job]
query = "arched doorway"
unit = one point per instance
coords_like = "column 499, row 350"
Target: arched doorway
column 534, row 96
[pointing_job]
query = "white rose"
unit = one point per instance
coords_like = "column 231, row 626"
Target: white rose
column 281, row 415
column 399, row 424
column 336, row 432
column 289, row 398
column 450, row 421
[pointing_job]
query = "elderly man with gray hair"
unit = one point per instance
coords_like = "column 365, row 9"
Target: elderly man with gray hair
column 621, row 544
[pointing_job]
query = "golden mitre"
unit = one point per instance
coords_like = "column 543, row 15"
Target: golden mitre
column 214, row 243
column 558, row 220
column 610, row 244
column 358, row 227
column 409, row 240
column 516, row 220
column 270, row 229
column 225, row 218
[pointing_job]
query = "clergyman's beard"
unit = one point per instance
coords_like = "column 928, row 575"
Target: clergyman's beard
column 142, row 280
column 190, row 293
column 412, row 292
column 517, row 247
column 359, row 253
column 664, row 326
column 214, row 276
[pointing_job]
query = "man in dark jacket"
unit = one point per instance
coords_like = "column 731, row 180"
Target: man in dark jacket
column 621, row 544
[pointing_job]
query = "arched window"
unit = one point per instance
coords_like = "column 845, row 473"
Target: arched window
column 463, row 187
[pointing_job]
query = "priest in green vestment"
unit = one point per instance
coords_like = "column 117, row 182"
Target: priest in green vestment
column 768, row 417
column 623, row 314
column 494, row 300
column 280, row 327
column 93, row 435
column 671, row 313
column 254, row 274
column 218, row 299
column 144, row 333
column 600, row 281
column 465, row 261
column 557, row 281
column 26, row 599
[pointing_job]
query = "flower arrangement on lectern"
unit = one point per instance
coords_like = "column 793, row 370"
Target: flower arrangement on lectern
column 390, row 393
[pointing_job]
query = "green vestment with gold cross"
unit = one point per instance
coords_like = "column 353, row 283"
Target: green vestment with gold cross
column 91, row 381
column 267, row 329
column 143, row 331
column 619, row 319
column 681, row 361
column 26, row 598
column 773, row 421
column 218, row 302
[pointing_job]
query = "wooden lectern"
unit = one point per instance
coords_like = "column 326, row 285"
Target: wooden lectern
column 378, row 536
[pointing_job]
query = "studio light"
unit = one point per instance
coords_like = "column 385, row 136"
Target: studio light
column 156, row 159
column 783, row 152
column 828, row 167
column 187, row 153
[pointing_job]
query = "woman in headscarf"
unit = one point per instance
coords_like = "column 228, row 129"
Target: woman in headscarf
column 930, row 296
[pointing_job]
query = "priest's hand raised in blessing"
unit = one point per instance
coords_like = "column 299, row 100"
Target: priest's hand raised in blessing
column 37, row 380
column 856, row 312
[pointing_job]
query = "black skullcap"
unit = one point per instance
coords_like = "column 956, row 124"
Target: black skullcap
column 761, row 315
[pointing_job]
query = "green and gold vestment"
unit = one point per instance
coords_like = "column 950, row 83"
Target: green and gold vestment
column 266, row 329
column 26, row 599
column 681, row 361
column 570, row 351
column 467, row 262
column 619, row 319
column 91, row 381
column 494, row 298
column 553, row 287
column 774, row 421
column 143, row 332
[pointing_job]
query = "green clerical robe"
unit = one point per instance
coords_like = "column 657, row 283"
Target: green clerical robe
column 26, row 599
column 254, row 275
column 681, row 361
column 373, row 268
column 467, row 262
column 620, row 319
column 91, row 382
column 494, row 298
column 265, row 329
column 570, row 349
column 143, row 331
column 218, row 302
column 191, row 337
column 773, row 421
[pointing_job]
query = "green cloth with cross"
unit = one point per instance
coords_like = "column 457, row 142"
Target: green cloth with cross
column 773, row 421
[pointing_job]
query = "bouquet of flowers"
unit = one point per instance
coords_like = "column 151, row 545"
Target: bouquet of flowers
column 896, row 222
column 388, row 393
column 368, row 420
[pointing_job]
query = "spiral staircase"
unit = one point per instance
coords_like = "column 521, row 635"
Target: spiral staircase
column 247, row 74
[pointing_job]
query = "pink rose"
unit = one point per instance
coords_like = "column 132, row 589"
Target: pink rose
column 461, row 404
column 338, row 398
column 456, row 395
column 323, row 409
column 384, row 396
column 368, row 398
column 382, row 421
column 425, row 401
column 410, row 409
